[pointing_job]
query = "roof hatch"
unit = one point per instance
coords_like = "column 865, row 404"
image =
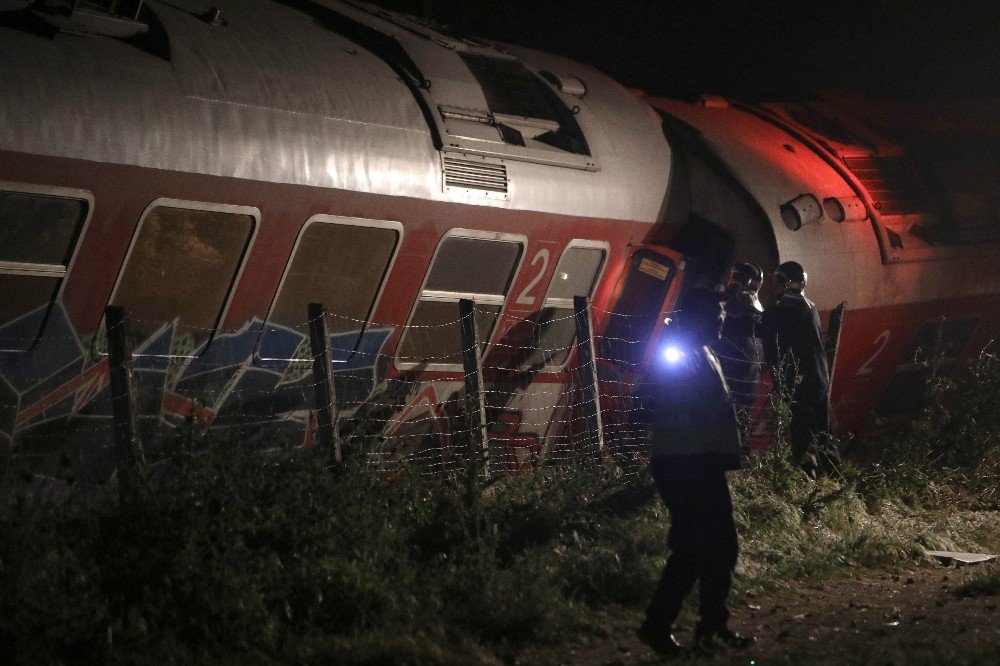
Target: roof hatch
column 481, row 100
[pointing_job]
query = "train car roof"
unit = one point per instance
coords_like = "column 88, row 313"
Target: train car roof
column 331, row 94
column 773, row 166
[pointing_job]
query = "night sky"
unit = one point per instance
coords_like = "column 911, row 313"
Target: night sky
column 753, row 50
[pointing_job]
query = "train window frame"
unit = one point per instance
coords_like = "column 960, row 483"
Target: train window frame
column 547, row 301
column 61, row 272
column 323, row 218
column 202, row 206
column 908, row 364
column 426, row 295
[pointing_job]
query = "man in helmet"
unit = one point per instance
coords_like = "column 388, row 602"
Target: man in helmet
column 792, row 338
column 738, row 349
column 694, row 441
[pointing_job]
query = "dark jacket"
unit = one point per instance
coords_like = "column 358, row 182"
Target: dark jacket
column 692, row 414
column 790, row 331
column 738, row 350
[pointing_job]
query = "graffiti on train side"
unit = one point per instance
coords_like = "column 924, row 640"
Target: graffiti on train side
column 432, row 429
column 65, row 376
column 242, row 379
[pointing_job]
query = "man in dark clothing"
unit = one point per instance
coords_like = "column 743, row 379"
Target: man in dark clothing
column 694, row 440
column 738, row 349
column 793, row 346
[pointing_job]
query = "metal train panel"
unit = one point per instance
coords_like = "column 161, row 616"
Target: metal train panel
column 233, row 100
column 783, row 169
column 863, row 238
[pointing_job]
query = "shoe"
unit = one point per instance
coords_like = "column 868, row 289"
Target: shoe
column 661, row 642
column 706, row 642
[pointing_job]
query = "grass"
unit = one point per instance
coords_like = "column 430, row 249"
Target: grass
column 280, row 561
column 244, row 557
column 985, row 584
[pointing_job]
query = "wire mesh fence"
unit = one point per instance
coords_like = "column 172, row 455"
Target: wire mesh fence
column 546, row 392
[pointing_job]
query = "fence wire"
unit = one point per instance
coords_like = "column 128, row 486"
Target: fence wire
column 256, row 386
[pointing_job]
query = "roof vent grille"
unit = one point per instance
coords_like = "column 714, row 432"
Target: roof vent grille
column 476, row 175
column 892, row 182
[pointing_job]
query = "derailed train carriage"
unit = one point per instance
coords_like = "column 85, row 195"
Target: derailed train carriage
column 214, row 169
column 891, row 206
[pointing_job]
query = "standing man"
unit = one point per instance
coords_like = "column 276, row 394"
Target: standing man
column 793, row 346
column 694, row 440
column 738, row 349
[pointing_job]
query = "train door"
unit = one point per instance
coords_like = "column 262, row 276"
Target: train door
column 629, row 334
column 645, row 292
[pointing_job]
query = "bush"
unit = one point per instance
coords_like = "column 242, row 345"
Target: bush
column 240, row 555
column 243, row 555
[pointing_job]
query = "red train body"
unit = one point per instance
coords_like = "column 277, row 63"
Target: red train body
column 213, row 173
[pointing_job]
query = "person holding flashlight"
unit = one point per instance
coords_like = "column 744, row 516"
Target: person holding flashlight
column 694, row 441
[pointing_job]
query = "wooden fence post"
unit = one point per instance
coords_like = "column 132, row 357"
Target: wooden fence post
column 325, row 396
column 472, row 363
column 128, row 447
column 588, row 371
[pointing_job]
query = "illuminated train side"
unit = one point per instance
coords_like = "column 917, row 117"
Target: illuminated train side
column 203, row 171
column 905, row 230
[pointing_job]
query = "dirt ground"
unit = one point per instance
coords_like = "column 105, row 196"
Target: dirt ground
column 909, row 617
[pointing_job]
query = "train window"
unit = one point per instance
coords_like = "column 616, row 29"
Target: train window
column 555, row 330
column 180, row 271
column 509, row 87
column 464, row 267
column 341, row 263
column 934, row 351
column 39, row 230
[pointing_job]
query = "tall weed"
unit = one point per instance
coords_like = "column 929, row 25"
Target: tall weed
column 240, row 555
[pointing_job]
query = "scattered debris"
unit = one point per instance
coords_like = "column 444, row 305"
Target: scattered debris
column 964, row 558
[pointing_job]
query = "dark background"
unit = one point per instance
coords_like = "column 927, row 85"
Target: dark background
column 752, row 50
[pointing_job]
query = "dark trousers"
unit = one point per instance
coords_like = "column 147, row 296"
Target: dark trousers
column 702, row 540
column 809, row 427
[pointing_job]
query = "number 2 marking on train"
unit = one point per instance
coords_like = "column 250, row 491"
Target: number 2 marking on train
column 542, row 256
column 880, row 343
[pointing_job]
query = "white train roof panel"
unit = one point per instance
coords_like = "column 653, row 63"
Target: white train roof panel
column 332, row 95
